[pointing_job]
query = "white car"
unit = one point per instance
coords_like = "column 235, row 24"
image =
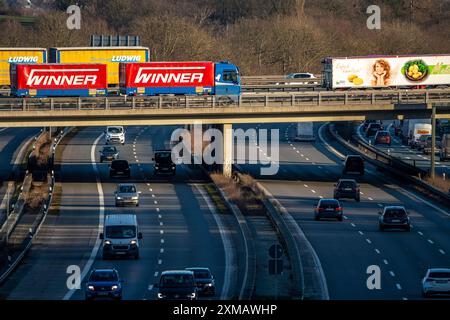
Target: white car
column 436, row 281
column 115, row 134
column 296, row 78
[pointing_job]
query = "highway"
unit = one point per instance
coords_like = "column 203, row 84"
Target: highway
column 346, row 249
column 405, row 153
column 179, row 224
column 12, row 143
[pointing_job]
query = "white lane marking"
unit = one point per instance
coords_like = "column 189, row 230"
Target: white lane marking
column 430, row 241
column 159, row 216
column 162, row 240
column 399, row 287
column 298, row 151
column 345, row 217
column 352, row 224
column 157, row 209
column 161, row 250
column 305, row 185
column 153, row 195
column 368, row 241
column 385, row 261
column 361, row 233
column 321, row 197
column 150, row 287
column 156, row 273
column 293, row 148
column 392, row 273
column 159, row 261
column 307, row 159
column 380, row 205
column 441, row 251
column 155, row 202
column 370, row 198
column 313, row 191
column 302, row 155
column 150, row 189
column 228, row 249
column 161, row 224
column 404, row 298
column 161, row 231
column 327, row 145
column 377, row 251
column 148, row 184
column 101, row 209
column 419, row 232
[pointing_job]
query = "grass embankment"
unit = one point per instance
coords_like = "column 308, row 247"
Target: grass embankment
column 244, row 194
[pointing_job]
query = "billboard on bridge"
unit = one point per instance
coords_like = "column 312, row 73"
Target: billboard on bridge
column 390, row 71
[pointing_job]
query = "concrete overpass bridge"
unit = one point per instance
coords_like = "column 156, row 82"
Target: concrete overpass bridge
column 210, row 110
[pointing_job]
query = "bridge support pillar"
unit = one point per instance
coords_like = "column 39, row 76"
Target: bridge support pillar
column 433, row 142
column 227, row 149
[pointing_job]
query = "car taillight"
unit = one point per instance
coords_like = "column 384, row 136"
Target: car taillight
column 338, row 209
column 320, row 209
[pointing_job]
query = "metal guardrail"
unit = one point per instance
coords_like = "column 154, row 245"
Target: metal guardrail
column 38, row 222
column 397, row 171
column 318, row 98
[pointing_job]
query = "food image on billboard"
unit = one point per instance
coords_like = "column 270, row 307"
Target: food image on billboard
column 391, row 71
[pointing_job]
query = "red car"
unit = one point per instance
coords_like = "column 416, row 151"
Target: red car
column 383, row 137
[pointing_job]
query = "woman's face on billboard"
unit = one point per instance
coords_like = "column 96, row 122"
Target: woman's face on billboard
column 379, row 68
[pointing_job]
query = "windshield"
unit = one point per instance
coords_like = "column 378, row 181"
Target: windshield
column 230, row 75
column 120, row 232
column 395, row 213
column 329, row 204
column 121, row 164
column 177, row 280
column 164, row 157
column 127, row 189
column 440, row 275
column 103, row 276
column 202, row 274
column 347, row 184
column 355, row 161
column 115, row 130
column 109, row 149
column 383, row 133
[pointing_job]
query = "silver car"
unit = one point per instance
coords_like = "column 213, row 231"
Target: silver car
column 436, row 281
column 127, row 193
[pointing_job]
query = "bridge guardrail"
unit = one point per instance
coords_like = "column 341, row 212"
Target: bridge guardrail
column 316, row 98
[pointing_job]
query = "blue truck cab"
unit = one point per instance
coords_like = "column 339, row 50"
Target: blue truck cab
column 227, row 79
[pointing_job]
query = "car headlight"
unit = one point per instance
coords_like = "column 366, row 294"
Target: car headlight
column 156, row 167
column 192, row 295
column 209, row 284
column 119, row 198
column 173, row 167
column 134, row 198
column 161, row 296
column 107, row 242
column 114, row 288
column 91, row 288
column 133, row 242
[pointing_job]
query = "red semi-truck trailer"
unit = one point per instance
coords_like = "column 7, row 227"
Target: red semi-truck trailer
column 183, row 78
column 51, row 79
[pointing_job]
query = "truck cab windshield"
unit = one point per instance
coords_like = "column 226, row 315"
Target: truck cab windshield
column 230, row 75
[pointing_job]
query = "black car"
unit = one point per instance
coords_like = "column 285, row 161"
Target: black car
column 163, row 162
column 394, row 217
column 119, row 168
column 328, row 208
column 366, row 124
column 372, row 129
column 204, row 280
column 109, row 153
column 103, row 283
column 353, row 164
column 347, row 188
column 177, row 285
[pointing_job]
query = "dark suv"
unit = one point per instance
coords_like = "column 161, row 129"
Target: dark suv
column 163, row 162
column 347, row 188
column 204, row 280
column 108, row 153
column 372, row 129
column 177, row 285
column 394, row 217
column 103, row 283
column 119, row 168
column 353, row 163
column 328, row 208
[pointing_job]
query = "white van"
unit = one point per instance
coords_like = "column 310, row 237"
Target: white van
column 120, row 236
column 420, row 129
column 115, row 134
